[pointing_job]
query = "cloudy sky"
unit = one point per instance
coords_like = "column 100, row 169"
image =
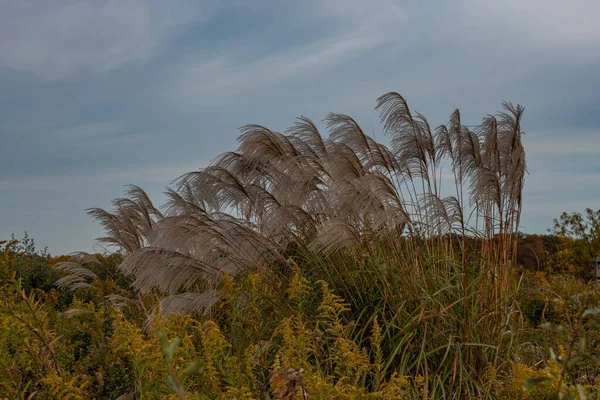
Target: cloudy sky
column 98, row 94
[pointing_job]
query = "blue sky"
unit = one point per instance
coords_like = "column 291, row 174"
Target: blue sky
column 95, row 95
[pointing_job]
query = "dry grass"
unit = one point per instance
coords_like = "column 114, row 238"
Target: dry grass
column 430, row 256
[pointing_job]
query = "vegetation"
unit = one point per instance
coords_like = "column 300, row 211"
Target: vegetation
column 304, row 267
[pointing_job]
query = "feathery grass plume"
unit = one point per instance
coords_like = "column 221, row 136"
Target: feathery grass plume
column 377, row 223
column 78, row 273
column 190, row 302
column 131, row 224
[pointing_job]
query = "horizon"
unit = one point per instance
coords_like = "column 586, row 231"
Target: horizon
column 164, row 90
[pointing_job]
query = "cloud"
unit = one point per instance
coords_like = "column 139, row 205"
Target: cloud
column 553, row 22
column 193, row 74
column 226, row 78
column 437, row 49
column 353, row 31
column 53, row 40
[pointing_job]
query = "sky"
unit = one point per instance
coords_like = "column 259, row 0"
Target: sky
column 95, row 95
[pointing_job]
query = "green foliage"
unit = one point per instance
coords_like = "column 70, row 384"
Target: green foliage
column 375, row 322
column 580, row 243
column 567, row 359
column 306, row 267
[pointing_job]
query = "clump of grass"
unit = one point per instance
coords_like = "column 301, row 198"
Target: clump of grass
column 419, row 236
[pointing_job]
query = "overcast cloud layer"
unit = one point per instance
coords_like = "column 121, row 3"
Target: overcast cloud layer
column 98, row 94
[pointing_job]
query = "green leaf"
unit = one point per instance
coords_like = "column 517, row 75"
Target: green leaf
column 173, row 383
column 591, row 311
column 169, row 348
column 533, row 382
column 194, row 368
column 574, row 361
column 581, row 391
column 570, row 396
column 581, row 345
column 553, row 356
column 172, row 348
column 163, row 340
column 553, row 328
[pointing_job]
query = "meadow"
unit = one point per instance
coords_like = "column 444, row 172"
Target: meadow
column 311, row 266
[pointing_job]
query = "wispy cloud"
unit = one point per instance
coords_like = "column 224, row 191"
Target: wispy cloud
column 107, row 92
column 554, row 23
column 53, row 40
column 354, row 31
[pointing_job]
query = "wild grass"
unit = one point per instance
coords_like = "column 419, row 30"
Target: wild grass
column 420, row 235
column 322, row 267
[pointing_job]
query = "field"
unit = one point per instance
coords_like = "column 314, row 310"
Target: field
column 303, row 266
